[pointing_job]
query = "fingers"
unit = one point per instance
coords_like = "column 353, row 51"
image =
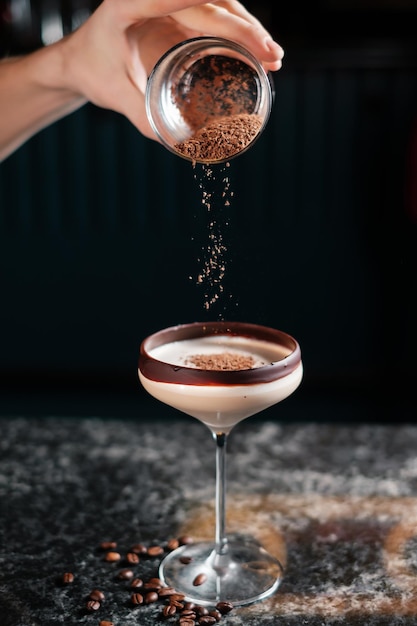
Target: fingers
column 221, row 18
column 229, row 19
column 136, row 10
column 235, row 7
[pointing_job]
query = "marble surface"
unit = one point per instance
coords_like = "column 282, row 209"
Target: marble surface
column 339, row 501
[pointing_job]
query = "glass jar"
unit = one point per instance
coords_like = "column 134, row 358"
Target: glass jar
column 208, row 99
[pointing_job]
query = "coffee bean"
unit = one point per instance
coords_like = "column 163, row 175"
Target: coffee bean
column 125, row 574
column 151, row 597
column 164, row 592
column 138, row 548
column 176, row 603
column 155, row 551
column 136, row 598
column 67, row 578
column 224, row 607
column 108, row 545
column 97, row 595
column 172, row 544
column 177, row 597
column 93, row 605
column 216, row 614
column 112, row 557
column 156, row 582
column 136, row 583
column 199, row 579
column 185, row 540
column 188, row 613
column 201, row 610
column 105, row 622
column 169, row 610
column 207, row 620
column 190, row 605
column 185, row 560
column 186, row 621
column 132, row 558
column 151, row 587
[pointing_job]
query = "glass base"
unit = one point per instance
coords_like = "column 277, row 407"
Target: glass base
column 244, row 574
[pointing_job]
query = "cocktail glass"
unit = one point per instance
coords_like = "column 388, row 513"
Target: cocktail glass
column 221, row 373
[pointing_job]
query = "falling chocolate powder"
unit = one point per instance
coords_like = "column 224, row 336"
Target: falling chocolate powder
column 214, row 251
column 217, row 97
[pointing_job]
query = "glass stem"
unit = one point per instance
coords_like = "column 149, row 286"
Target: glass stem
column 221, row 539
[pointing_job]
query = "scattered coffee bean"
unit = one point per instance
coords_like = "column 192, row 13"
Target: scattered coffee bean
column 151, row 597
column 201, row 610
column 108, row 545
column 157, row 582
column 97, row 595
column 67, row 578
column 151, row 587
column 93, row 605
column 224, row 607
column 173, row 544
column 216, row 614
column 155, row 551
column 188, row 613
column 169, row 610
column 165, row 592
column 189, row 605
column 176, row 603
column 132, row 558
column 185, row 540
column 154, row 589
column 207, row 620
column 138, row 548
column 136, row 598
column 185, row 560
column 177, row 597
column 199, row 580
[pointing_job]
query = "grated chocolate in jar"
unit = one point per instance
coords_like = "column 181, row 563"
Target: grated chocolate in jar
column 225, row 361
column 221, row 139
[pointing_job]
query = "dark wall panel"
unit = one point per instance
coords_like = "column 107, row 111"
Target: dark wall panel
column 101, row 230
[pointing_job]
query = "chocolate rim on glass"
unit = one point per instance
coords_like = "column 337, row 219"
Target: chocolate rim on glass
column 202, row 82
column 234, row 569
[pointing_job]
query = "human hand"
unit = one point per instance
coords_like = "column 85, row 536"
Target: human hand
column 108, row 59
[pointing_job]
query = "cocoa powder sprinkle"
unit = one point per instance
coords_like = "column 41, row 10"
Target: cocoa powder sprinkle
column 226, row 361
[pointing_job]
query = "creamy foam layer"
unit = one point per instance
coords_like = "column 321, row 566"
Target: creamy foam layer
column 178, row 353
column 221, row 406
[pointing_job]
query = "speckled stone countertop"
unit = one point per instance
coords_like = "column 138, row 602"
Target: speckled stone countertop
column 341, row 500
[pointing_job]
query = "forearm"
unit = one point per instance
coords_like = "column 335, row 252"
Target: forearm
column 32, row 96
